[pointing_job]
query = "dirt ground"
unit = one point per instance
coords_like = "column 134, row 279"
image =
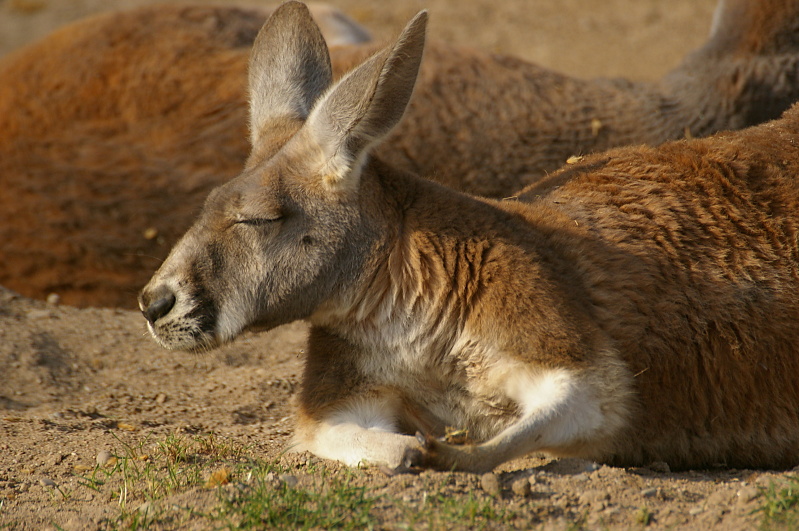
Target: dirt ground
column 77, row 383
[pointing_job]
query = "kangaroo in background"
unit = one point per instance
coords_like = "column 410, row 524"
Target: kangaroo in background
column 94, row 152
column 637, row 306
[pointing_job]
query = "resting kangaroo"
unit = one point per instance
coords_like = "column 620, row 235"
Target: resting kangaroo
column 640, row 305
column 93, row 153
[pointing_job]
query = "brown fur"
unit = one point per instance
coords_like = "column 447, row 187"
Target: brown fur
column 94, row 152
column 688, row 256
column 638, row 306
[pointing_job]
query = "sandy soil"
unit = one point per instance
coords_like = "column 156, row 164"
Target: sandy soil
column 638, row 39
column 79, row 383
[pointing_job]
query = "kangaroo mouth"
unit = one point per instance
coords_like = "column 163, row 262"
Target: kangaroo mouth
column 183, row 334
column 188, row 323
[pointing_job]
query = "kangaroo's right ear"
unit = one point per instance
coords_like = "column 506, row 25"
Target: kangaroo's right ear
column 365, row 105
column 289, row 69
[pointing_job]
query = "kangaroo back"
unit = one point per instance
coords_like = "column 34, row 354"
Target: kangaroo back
column 689, row 260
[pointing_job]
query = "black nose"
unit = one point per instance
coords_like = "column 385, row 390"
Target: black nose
column 157, row 304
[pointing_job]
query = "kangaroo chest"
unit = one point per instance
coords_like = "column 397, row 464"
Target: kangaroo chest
column 442, row 390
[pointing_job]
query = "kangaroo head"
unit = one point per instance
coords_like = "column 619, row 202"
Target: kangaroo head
column 292, row 230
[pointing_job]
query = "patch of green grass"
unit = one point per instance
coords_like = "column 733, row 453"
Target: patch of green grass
column 174, row 448
column 233, row 489
column 153, row 476
column 136, row 519
column 781, row 505
column 578, row 524
column 442, row 511
column 337, row 502
column 66, row 494
column 5, row 525
column 442, row 508
column 333, row 502
column 643, row 516
column 140, row 475
column 213, row 447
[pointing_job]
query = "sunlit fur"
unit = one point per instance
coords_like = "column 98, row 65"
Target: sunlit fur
column 114, row 129
column 637, row 306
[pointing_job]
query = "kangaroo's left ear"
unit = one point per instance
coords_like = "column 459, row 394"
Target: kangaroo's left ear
column 289, row 69
column 362, row 108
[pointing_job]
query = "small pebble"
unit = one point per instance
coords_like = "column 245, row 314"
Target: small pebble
column 103, row 457
column 160, row 398
column 490, row 483
column 747, row 494
column 592, row 467
column 55, row 459
column 650, row 492
column 521, row 487
column 46, row 482
column 53, row 299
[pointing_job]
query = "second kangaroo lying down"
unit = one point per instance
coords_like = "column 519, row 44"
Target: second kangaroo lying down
column 643, row 310
column 94, row 152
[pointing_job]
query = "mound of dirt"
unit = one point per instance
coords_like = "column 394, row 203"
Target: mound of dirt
column 79, row 383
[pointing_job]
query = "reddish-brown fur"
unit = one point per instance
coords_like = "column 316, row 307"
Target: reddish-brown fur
column 93, row 152
column 689, row 257
column 637, row 306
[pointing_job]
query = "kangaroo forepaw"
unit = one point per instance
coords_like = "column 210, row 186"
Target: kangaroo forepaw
column 438, row 454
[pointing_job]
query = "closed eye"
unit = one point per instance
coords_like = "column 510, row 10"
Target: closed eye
column 257, row 222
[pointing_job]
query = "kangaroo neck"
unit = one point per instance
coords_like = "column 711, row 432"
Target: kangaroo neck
column 420, row 286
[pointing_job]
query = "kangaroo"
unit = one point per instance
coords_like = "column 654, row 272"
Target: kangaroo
column 637, row 306
column 93, row 154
